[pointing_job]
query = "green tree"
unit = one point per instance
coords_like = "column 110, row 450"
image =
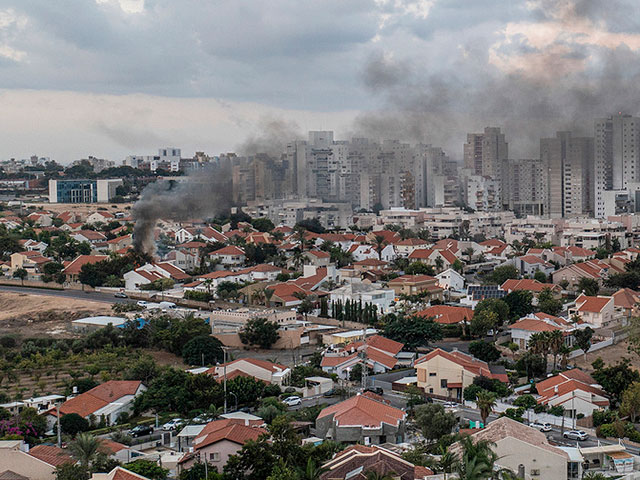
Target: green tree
column 583, row 339
column 202, row 350
column 85, row 448
column 540, row 276
column 630, row 405
column 615, row 379
column 434, row 421
column 68, row 471
column 414, row 331
column 476, row 460
column 502, row 274
column 311, row 471
column 527, row 401
column 262, row 224
column 496, row 305
column 52, row 268
column 520, row 303
column 20, row 273
column 148, row 469
column 588, row 286
column 419, row 268
column 548, row 304
column 482, row 322
column 486, row 402
column 261, row 332
column 415, row 396
column 72, row 424
column 484, row 351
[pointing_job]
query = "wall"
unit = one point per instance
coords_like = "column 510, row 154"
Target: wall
column 26, row 465
column 513, row 452
column 288, row 339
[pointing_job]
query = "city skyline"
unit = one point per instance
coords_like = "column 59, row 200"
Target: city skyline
column 420, row 70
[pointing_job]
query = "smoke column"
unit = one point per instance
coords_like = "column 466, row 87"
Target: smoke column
column 202, row 194
column 585, row 70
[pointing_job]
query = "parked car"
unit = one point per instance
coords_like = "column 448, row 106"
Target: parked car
column 142, row 303
column 141, row 430
column 542, row 426
column 376, row 390
column 120, row 295
column 576, row 435
column 202, row 418
column 330, row 393
column 173, row 424
column 450, row 405
column 292, row 401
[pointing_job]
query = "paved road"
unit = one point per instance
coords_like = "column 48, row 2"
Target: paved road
column 80, row 295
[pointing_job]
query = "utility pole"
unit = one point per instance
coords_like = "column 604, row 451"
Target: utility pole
column 365, row 377
column 59, row 428
column 224, row 368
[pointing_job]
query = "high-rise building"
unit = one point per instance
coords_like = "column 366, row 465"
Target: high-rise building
column 617, row 156
column 567, row 163
column 485, row 155
column 525, row 186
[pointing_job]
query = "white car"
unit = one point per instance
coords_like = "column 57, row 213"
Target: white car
column 292, row 401
column 576, row 435
column 172, row 424
column 450, row 405
column 142, row 303
column 543, row 427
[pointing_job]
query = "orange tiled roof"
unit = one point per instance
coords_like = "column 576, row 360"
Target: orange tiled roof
column 447, row 314
column 363, row 412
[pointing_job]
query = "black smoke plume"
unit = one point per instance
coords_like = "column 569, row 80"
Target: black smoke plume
column 204, row 193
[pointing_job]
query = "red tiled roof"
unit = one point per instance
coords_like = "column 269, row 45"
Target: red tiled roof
column 232, row 430
column 412, row 279
column 334, row 361
column 421, row 253
column 73, row 268
column 447, row 314
column 533, row 260
column 228, row 250
column 381, row 358
column 192, row 244
column 51, row 454
column 626, row 298
column 319, row 254
column 175, row 272
column 363, row 411
column 87, row 403
column 581, row 252
column 533, row 325
column 468, row 362
column 592, row 304
column 372, row 262
column 384, row 344
column 412, row 242
column 526, row 284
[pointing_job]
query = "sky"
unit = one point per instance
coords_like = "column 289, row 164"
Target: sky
column 116, row 77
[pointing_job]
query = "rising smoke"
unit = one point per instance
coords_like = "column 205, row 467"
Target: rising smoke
column 583, row 71
column 205, row 193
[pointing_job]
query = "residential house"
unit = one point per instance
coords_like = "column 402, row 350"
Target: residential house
column 451, row 280
column 183, row 259
column 72, row 268
column 365, row 418
column 404, row 248
column 31, row 245
column 525, row 451
column 627, row 303
column 42, row 219
column 355, row 463
column 447, row 374
column 416, row 284
column 340, row 363
column 218, row 441
column 576, row 391
column 99, row 217
column 371, row 293
column 530, row 264
column 572, row 274
column 229, row 256
column 89, row 236
column 268, row 372
column 439, row 259
column 118, row 243
column 16, row 463
column 596, row 311
column 32, row 262
column 108, row 400
column 522, row 330
column 318, row 258
column 118, row 473
column 447, row 314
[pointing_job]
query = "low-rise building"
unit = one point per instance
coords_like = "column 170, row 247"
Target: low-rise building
column 416, row 284
column 268, row 372
column 365, row 418
column 596, row 311
column 447, row 374
column 574, row 390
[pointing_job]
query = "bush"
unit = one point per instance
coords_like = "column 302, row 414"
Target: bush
column 540, row 408
column 526, row 401
column 604, row 416
column 557, row 410
column 484, row 351
column 72, row 424
column 197, row 295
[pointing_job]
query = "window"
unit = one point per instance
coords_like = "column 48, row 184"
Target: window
column 443, row 383
column 432, row 374
column 214, row 457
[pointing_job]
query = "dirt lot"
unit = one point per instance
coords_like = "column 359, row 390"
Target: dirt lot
column 609, row 355
column 34, row 315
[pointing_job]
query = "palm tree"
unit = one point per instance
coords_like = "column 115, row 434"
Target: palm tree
column 447, row 462
column 85, row 449
column 327, row 245
column 278, row 236
column 299, row 259
column 439, row 263
column 469, row 253
column 380, row 244
column 594, row 476
column 556, row 342
column 476, row 461
column 539, row 344
column 485, row 401
column 311, row 471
